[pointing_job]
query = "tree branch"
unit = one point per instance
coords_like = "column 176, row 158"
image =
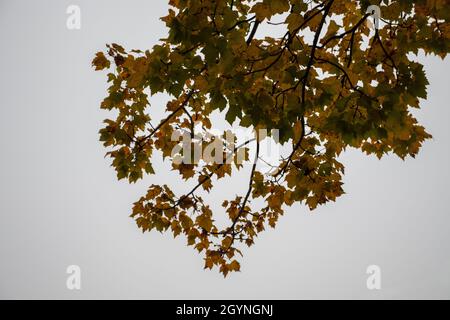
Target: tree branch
column 209, row 176
column 352, row 30
column 242, row 208
column 305, row 81
column 163, row 122
column 253, row 32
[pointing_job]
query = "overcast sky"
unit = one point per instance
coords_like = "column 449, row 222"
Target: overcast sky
column 61, row 205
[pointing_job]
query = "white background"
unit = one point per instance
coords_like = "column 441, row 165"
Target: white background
column 60, row 202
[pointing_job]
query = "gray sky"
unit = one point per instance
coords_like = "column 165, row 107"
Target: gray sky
column 60, row 202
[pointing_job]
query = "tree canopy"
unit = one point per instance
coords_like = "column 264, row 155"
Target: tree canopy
column 330, row 82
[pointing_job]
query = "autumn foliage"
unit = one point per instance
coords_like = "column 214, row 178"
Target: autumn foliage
column 330, row 82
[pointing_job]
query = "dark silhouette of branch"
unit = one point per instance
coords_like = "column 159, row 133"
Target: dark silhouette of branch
column 353, row 86
column 352, row 30
column 241, row 22
column 377, row 37
column 163, row 122
column 232, row 228
column 209, row 176
column 305, row 81
column 253, row 32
